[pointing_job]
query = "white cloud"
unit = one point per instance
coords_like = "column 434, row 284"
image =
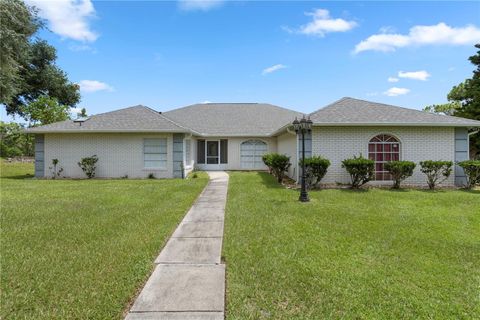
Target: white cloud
column 421, row 35
column 392, row 79
column 273, row 68
column 202, row 5
column 68, row 18
column 414, row 75
column 94, row 86
column 395, row 91
column 322, row 23
column 206, row 101
column 75, row 110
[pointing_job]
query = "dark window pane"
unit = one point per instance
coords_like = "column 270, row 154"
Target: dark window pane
column 395, row 157
column 201, row 151
column 379, row 167
column 371, row 147
column 379, row 176
column 379, row 147
column 212, row 160
column 387, row 148
column 371, row 156
column 379, row 157
column 388, row 157
column 224, row 151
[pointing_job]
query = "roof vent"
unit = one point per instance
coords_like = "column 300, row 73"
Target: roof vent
column 80, row 120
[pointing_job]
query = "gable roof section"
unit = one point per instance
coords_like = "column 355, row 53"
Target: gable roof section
column 354, row 112
column 133, row 119
column 232, row 119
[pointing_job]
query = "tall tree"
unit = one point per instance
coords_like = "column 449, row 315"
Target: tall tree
column 464, row 101
column 28, row 69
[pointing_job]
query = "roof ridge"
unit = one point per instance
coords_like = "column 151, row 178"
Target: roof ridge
column 408, row 109
column 178, row 124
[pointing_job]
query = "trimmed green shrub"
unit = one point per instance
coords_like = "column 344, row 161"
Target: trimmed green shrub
column 278, row 164
column 267, row 160
column 436, row 171
column 88, row 165
column 55, row 169
column 400, row 170
column 315, row 169
column 361, row 170
column 472, row 171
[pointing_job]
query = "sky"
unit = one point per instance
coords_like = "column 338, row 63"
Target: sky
column 298, row 55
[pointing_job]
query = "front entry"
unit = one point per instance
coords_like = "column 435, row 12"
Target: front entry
column 212, row 154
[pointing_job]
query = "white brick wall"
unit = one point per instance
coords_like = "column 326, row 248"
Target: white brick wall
column 287, row 145
column 417, row 144
column 119, row 154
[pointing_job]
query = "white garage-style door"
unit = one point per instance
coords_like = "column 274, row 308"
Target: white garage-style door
column 251, row 153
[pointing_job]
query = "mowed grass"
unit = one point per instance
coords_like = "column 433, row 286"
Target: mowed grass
column 80, row 249
column 376, row 254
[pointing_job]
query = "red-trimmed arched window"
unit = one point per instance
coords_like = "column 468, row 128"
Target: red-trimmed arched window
column 383, row 148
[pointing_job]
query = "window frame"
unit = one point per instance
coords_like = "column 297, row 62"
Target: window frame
column 386, row 177
column 162, row 168
column 256, row 140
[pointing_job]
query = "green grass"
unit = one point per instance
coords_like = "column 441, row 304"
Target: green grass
column 376, row 254
column 80, row 249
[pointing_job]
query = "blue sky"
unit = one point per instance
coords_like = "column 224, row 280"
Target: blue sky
column 299, row 55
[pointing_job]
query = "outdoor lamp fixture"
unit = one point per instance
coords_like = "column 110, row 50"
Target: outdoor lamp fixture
column 301, row 127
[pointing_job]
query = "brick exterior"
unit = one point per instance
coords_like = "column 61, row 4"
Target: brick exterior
column 119, row 154
column 417, row 144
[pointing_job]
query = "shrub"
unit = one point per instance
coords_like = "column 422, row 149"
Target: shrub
column 267, row 160
column 472, row 171
column 435, row 170
column 278, row 164
column 360, row 169
column 88, row 166
column 56, row 171
column 315, row 169
column 151, row 176
column 400, row 170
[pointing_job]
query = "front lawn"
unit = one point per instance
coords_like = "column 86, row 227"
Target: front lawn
column 80, row 249
column 376, row 254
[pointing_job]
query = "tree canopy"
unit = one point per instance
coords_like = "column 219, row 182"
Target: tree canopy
column 28, row 69
column 464, row 101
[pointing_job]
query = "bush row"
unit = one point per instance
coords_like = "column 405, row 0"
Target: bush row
column 362, row 170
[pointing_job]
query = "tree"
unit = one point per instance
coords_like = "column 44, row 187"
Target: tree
column 28, row 69
column 13, row 141
column 464, row 101
column 45, row 110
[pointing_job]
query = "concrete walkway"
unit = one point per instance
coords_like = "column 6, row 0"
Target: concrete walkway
column 189, row 281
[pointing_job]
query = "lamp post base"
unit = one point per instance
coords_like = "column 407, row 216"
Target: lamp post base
column 303, row 197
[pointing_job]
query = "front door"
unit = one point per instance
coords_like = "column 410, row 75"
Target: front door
column 213, row 152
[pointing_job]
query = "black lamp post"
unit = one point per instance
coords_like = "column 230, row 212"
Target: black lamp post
column 303, row 126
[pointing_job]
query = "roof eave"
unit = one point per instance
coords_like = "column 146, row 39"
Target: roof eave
column 105, row 131
column 393, row 124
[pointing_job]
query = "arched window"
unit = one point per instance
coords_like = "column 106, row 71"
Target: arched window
column 383, row 148
column 251, row 153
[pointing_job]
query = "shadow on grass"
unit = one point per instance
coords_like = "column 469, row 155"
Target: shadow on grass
column 269, row 181
column 18, row 177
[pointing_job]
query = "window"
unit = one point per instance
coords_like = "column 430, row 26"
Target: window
column 224, row 151
column 188, row 152
column 155, row 153
column 381, row 149
column 251, row 153
column 201, row 151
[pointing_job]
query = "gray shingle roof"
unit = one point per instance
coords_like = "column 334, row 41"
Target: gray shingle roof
column 133, row 119
column 233, row 119
column 350, row 111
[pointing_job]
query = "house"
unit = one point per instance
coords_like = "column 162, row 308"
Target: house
column 139, row 141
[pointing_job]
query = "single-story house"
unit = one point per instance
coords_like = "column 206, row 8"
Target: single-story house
column 139, row 141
